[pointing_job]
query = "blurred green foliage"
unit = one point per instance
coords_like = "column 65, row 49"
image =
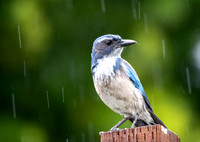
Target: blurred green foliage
column 45, row 58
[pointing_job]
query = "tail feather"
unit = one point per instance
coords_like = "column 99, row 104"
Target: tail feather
column 156, row 119
column 141, row 122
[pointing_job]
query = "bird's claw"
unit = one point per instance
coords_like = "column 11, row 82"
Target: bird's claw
column 111, row 130
column 117, row 129
column 114, row 129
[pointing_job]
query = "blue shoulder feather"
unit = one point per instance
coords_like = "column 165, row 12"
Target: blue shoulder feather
column 135, row 80
column 134, row 77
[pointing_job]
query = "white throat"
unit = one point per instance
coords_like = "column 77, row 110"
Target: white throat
column 105, row 66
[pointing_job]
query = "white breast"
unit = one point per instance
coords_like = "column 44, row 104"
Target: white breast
column 105, row 67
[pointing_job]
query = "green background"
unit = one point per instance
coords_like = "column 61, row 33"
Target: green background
column 46, row 87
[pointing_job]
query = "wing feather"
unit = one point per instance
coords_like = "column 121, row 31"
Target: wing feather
column 136, row 81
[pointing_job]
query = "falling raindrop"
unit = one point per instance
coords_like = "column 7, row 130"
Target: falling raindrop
column 22, row 139
column 69, row 4
column 152, row 100
column 13, row 104
column 24, row 68
column 12, row 87
column 90, row 132
column 187, row 2
column 48, row 104
column 82, row 137
column 187, row 130
column 163, row 46
column 82, row 97
column 146, row 23
column 36, row 23
column 103, row 7
column 134, row 11
column 74, row 103
column 157, row 75
column 183, row 91
column 188, row 80
column 63, row 94
column 72, row 139
column 19, row 34
column 67, row 140
column 138, row 10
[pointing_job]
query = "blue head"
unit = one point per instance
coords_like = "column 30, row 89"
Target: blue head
column 108, row 46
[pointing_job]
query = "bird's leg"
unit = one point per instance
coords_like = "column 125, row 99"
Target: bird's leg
column 135, row 120
column 119, row 123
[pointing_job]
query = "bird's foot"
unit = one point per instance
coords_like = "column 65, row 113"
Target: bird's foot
column 135, row 120
column 114, row 129
column 119, row 124
column 111, row 130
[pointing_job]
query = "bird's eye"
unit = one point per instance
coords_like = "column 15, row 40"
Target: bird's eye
column 109, row 42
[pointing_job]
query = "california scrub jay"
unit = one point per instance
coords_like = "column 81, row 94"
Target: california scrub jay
column 117, row 83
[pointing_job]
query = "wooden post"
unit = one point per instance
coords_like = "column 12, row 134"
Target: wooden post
column 153, row 133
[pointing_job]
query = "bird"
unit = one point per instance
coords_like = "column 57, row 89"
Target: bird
column 117, row 83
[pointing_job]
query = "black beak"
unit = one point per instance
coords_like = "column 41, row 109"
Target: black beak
column 126, row 42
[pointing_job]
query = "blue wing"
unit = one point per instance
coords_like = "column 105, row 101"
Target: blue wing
column 136, row 81
column 125, row 67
